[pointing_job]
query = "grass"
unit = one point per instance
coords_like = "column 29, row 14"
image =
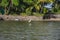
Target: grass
column 34, row 14
column 38, row 14
column 23, row 14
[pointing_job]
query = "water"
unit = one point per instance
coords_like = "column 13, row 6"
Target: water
column 10, row 30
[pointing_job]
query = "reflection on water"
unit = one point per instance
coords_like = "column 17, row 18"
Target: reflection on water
column 29, row 31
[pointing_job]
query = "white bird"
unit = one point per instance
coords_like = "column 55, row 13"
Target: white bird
column 16, row 19
column 29, row 20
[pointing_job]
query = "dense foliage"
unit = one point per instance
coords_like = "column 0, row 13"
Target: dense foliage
column 28, row 7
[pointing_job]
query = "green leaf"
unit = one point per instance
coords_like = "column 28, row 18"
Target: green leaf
column 4, row 3
column 28, row 1
column 15, row 2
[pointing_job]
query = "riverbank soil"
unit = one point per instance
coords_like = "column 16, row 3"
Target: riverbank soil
column 27, row 18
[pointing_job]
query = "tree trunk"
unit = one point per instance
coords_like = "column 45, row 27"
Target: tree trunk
column 10, row 5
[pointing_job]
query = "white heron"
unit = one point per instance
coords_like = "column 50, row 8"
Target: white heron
column 16, row 19
column 29, row 20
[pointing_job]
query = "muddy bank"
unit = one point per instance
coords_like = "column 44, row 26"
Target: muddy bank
column 20, row 18
column 26, row 18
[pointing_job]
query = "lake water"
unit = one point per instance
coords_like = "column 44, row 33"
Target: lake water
column 11, row 30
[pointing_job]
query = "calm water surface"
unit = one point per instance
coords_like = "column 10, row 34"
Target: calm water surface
column 29, row 31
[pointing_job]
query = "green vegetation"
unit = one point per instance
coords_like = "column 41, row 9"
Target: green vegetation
column 28, row 7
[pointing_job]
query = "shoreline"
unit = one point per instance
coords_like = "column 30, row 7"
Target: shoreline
column 26, row 18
